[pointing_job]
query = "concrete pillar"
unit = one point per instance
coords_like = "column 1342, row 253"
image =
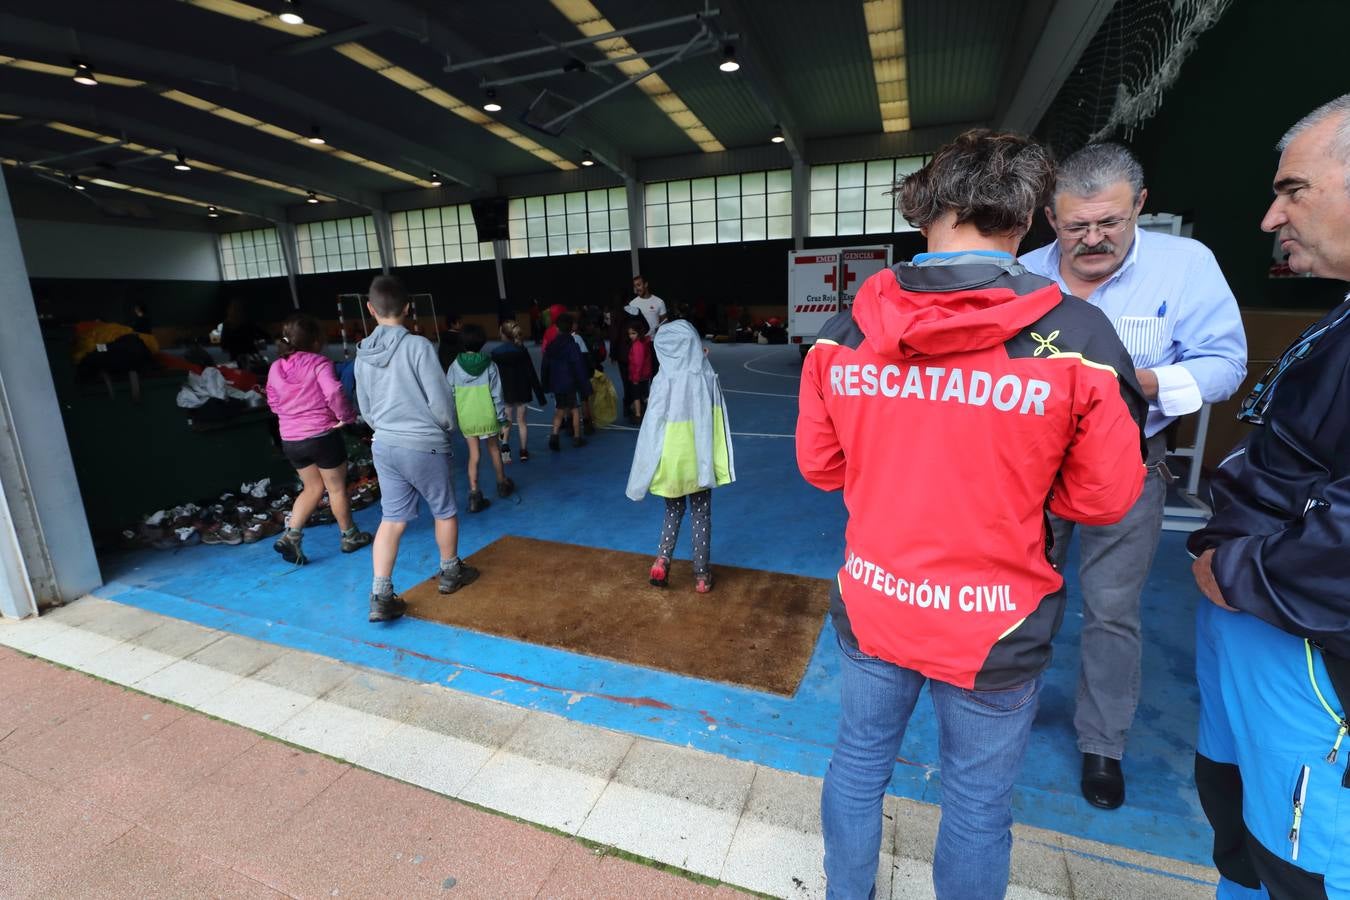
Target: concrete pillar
column 637, row 226
column 801, row 202
column 290, row 255
column 384, row 235
column 44, row 535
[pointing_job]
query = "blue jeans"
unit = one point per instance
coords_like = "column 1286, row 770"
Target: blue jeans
column 982, row 736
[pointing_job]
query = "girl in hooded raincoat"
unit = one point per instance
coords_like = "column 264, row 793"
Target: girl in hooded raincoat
column 684, row 447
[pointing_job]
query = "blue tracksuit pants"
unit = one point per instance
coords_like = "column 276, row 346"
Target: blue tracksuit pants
column 1260, row 713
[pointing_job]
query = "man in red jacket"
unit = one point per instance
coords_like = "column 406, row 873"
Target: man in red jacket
column 960, row 400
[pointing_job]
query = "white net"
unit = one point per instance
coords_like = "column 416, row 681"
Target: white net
column 1121, row 78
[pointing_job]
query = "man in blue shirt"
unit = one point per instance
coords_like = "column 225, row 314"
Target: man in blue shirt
column 1179, row 321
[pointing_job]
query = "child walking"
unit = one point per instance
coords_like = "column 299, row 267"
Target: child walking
column 478, row 405
column 404, row 396
column 568, row 379
column 520, row 382
column 640, row 366
column 683, row 448
column 304, row 392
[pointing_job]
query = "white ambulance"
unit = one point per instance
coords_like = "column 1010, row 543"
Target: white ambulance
column 824, row 281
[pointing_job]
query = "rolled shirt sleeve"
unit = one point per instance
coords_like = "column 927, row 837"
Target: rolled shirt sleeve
column 1178, row 391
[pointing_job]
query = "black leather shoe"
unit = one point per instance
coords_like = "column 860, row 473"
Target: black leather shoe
column 1103, row 783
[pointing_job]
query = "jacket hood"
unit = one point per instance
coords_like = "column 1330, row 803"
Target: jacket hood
column 473, row 363
column 297, row 369
column 679, row 348
column 379, row 346
column 910, row 311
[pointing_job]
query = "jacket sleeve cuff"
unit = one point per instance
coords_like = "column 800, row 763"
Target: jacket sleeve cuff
column 1178, row 392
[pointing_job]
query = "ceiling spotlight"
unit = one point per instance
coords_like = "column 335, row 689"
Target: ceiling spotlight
column 290, row 13
column 315, row 137
column 75, row 183
column 729, row 63
column 435, row 180
column 84, row 75
column 212, row 213
column 777, row 135
column 182, row 165
column 312, row 198
column 491, row 104
column 587, row 159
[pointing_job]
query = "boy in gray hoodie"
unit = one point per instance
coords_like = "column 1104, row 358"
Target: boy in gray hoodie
column 404, row 396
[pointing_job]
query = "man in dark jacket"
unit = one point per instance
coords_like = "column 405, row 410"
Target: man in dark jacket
column 960, row 400
column 1273, row 645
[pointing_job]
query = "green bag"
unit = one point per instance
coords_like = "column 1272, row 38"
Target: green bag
column 604, row 401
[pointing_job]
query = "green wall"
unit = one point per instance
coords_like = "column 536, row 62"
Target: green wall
column 1209, row 153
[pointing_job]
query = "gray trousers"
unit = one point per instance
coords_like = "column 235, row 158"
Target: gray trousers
column 1113, row 564
column 700, row 516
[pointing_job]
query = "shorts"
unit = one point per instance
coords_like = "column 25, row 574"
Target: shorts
column 641, row 390
column 327, row 451
column 566, row 399
column 405, row 475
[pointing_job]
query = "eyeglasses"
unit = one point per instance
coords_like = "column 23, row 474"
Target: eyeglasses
column 1254, row 407
column 1106, row 228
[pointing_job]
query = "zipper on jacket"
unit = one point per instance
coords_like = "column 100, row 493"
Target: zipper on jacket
column 1342, row 725
column 1299, row 799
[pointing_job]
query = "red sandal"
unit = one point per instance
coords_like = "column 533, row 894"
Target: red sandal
column 660, row 573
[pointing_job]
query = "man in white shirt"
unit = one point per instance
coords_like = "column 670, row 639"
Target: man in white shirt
column 646, row 304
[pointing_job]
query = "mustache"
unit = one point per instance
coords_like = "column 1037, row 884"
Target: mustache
column 1104, row 247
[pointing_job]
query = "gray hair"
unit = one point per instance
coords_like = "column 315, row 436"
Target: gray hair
column 1340, row 141
column 1094, row 168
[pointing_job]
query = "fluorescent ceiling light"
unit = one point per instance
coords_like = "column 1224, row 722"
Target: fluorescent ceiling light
column 886, row 40
column 589, row 21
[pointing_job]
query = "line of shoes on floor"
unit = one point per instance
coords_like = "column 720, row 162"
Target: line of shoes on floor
column 258, row 510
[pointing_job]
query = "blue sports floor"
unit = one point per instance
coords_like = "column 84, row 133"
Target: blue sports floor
column 769, row 519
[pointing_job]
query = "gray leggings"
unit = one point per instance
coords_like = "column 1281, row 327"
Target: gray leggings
column 701, row 516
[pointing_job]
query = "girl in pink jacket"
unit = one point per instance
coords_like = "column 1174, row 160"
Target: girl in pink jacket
column 640, row 368
column 304, row 392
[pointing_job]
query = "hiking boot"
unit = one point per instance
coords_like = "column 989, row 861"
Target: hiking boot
column 579, row 441
column 587, row 426
column 386, row 607
column 223, row 534
column 524, row 455
column 453, row 579
column 703, row 583
column 353, row 542
column 660, row 573
column 506, row 487
column 477, row 502
column 289, row 548
column 553, row 443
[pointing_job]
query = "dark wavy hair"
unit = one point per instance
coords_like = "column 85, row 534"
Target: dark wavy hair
column 992, row 180
column 300, row 332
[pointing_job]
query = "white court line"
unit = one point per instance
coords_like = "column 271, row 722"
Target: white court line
column 759, row 394
column 631, row 428
column 748, row 368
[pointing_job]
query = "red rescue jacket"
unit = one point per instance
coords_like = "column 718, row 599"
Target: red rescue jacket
column 954, row 406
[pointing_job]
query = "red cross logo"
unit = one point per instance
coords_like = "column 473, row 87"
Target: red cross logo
column 849, row 277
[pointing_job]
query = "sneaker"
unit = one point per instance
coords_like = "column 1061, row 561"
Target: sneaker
column 477, row 502
column 587, row 426
column 579, row 441
column 505, row 450
column 703, row 583
column 176, row 538
column 386, row 607
column 223, row 534
column 353, row 542
column 289, row 548
column 524, row 455
column 258, row 531
column 456, row 578
column 506, row 488
column 553, row 443
column 660, row 573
